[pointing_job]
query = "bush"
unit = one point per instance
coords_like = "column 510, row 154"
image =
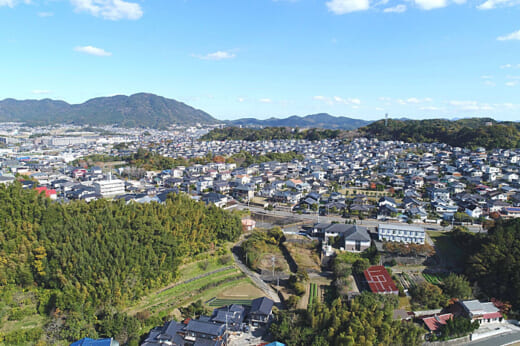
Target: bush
column 224, row 259
column 293, row 301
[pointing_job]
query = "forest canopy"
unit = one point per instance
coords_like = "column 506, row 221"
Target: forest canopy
column 471, row 132
column 82, row 257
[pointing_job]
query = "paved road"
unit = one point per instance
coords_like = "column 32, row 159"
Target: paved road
column 498, row 340
column 328, row 219
column 255, row 277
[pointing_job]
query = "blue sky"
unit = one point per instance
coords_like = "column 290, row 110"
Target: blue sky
column 263, row 58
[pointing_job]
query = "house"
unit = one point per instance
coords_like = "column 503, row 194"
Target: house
column 473, row 211
column 387, row 201
column 401, row 233
column 232, row 315
column 261, row 311
column 434, row 323
column 191, row 332
column 356, row 239
column 481, row 312
column 248, row 224
column 246, row 192
column 50, row 193
column 215, row 198
column 379, row 281
column 511, row 212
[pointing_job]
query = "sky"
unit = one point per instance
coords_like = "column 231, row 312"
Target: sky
column 263, row 58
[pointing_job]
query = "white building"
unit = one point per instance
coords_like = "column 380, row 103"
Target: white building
column 401, row 233
column 482, row 312
column 111, row 187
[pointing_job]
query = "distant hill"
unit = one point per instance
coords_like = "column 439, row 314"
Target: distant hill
column 139, row 110
column 321, row 120
column 468, row 132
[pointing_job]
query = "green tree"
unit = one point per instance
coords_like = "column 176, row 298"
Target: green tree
column 456, row 286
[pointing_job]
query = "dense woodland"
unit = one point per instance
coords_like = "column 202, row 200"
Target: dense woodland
column 365, row 320
column 495, row 262
column 83, row 262
column 471, row 133
column 269, row 133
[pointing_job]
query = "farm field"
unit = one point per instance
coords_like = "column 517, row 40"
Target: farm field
column 435, row 279
column 313, row 293
column 160, row 303
column 303, row 252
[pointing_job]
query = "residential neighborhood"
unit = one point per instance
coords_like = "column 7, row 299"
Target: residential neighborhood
column 337, row 198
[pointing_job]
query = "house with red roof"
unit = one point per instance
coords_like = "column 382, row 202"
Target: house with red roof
column 434, row 323
column 380, row 281
column 50, row 193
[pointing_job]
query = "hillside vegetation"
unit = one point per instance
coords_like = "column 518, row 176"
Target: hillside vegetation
column 139, row 110
column 78, row 264
column 270, row 133
column 471, row 132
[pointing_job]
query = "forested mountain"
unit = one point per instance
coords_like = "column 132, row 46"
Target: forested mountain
column 471, row 132
column 139, row 110
column 321, row 120
column 83, row 262
column 270, row 133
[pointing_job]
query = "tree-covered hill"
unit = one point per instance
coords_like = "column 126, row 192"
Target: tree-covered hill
column 471, row 132
column 320, row 120
column 495, row 265
column 139, row 110
column 270, row 133
column 80, row 259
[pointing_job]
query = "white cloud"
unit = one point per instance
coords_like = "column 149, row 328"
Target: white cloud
column 338, row 100
column 486, row 77
column 489, row 83
column 492, row 4
column 430, row 108
column 379, row 109
column 45, row 14
column 412, row 100
column 471, row 106
column 431, row 4
column 347, row 6
column 92, row 51
column 512, row 83
column 219, row 55
column 241, row 99
column 266, row 100
column 510, row 66
column 396, row 9
column 512, row 36
column 41, row 92
column 109, row 9
column 13, row 3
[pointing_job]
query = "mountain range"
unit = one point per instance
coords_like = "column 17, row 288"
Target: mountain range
column 320, row 120
column 138, row 110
